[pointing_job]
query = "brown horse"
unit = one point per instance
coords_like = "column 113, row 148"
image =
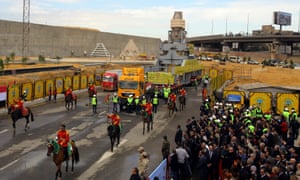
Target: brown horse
column 16, row 114
column 70, row 101
column 171, row 107
column 147, row 120
column 58, row 156
column 181, row 103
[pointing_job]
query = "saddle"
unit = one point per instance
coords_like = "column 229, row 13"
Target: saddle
column 25, row 111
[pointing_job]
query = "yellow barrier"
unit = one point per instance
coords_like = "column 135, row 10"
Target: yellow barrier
column 13, row 93
column 98, row 79
column 67, row 82
column 228, row 75
column 49, row 83
column 39, row 89
column 83, row 82
column 59, row 85
column 28, row 88
column 287, row 100
column 213, row 73
column 76, row 82
column 91, row 79
column 261, row 99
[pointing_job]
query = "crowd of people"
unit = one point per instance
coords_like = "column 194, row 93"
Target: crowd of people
column 226, row 142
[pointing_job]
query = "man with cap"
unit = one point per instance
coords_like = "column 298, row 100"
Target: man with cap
column 115, row 100
column 130, row 103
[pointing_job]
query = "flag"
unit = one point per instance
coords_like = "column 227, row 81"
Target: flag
column 3, row 93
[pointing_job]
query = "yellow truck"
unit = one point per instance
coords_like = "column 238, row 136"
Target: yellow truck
column 131, row 82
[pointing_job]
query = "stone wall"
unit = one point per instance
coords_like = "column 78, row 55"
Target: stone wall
column 52, row 41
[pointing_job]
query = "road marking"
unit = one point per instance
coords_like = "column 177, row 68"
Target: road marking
column 9, row 164
column 101, row 113
column 108, row 154
column 3, row 131
column 127, row 120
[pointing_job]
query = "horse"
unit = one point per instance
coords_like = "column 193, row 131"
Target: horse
column 171, row 107
column 16, row 114
column 147, row 119
column 58, row 156
column 114, row 133
column 70, row 99
column 181, row 102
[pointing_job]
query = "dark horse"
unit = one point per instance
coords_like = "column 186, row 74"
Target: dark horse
column 147, row 119
column 171, row 107
column 70, row 99
column 58, row 156
column 181, row 103
column 114, row 134
column 16, row 114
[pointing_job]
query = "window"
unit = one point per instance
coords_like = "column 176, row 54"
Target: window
column 108, row 79
column 128, row 85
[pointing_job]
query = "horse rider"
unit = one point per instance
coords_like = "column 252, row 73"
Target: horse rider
column 69, row 91
column 92, row 88
column 63, row 139
column 155, row 102
column 115, row 100
column 182, row 92
column 115, row 118
column 172, row 98
column 148, row 109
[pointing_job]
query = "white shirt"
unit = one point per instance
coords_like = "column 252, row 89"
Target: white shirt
column 181, row 154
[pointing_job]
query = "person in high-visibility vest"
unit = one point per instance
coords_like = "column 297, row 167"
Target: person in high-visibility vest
column 155, row 102
column 130, row 103
column 94, row 103
column 115, row 100
column 137, row 105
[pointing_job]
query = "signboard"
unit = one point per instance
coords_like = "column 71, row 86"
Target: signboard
column 160, row 78
column 234, row 98
column 282, row 18
column 160, row 171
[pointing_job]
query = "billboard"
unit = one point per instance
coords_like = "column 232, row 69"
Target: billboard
column 282, row 18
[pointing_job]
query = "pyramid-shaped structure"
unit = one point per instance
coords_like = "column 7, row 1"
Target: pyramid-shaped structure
column 130, row 50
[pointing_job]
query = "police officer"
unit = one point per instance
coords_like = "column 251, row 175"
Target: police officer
column 155, row 102
column 115, row 100
column 130, row 103
column 94, row 103
column 137, row 104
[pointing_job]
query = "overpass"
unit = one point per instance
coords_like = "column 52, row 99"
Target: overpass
column 239, row 42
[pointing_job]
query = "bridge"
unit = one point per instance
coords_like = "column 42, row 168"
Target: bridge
column 240, row 42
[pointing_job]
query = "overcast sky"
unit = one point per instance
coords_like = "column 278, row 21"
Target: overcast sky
column 151, row 18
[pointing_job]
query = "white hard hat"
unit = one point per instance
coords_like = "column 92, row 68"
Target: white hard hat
column 130, row 95
column 94, row 95
column 286, row 109
column 24, row 91
column 115, row 94
column 155, row 95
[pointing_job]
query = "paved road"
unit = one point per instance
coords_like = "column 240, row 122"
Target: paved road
column 24, row 156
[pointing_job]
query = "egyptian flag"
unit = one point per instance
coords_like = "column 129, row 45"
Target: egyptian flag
column 3, row 93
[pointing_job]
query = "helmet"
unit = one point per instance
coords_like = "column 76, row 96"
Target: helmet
column 115, row 94
column 94, row 95
column 155, row 95
column 130, row 95
column 24, row 91
column 144, row 97
column 286, row 109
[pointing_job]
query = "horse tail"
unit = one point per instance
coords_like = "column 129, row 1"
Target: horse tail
column 76, row 155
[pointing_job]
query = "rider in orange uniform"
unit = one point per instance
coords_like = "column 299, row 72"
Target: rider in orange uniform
column 148, row 109
column 92, row 88
column 115, row 119
column 182, row 92
column 172, row 98
column 63, row 139
column 68, row 91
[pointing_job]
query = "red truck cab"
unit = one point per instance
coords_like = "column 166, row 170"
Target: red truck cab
column 110, row 80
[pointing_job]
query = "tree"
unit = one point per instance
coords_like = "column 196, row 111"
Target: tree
column 292, row 65
column 41, row 59
column 12, row 56
column 24, row 60
column 7, row 60
column 1, row 64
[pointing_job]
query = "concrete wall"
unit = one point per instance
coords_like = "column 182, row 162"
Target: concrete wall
column 52, row 41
